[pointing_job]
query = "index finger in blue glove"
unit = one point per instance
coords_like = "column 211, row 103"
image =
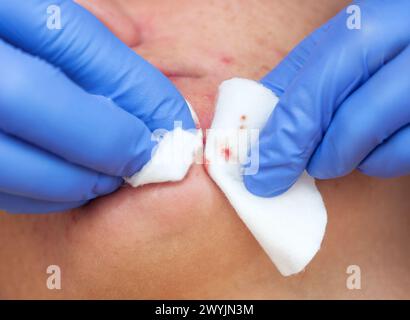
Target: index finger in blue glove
column 40, row 105
column 371, row 114
column 21, row 205
column 30, row 172
column 342, row 61
column 88, row 53
column 391, row 158
column 283, row 74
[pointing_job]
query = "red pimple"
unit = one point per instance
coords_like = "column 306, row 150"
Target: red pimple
column 227, row 59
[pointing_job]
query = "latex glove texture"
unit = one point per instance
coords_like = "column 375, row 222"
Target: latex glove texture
column 344, row 101
column 77, row 107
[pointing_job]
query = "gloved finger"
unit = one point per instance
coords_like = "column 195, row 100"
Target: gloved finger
column 390, row 159
column 30, row 172
column 40, row 105
column 88, row 53
column 21, row 205
column 116, row 19
column 282, row 75
column 343, row 61
column 371, row 114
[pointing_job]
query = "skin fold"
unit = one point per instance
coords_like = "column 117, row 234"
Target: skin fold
column 184, row 240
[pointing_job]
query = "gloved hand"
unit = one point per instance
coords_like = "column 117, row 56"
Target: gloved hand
column 77, row 108
column 344, row 101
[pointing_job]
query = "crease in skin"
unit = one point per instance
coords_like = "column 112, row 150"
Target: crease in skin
column 115, row 19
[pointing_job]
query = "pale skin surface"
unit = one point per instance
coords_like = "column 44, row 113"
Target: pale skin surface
column 183, row 240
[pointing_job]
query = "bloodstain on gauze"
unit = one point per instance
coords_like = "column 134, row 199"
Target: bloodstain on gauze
column 289, row 227
column 226, row 152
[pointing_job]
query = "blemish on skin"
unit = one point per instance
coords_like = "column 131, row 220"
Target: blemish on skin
column 264, row 69
column 227, row 60
column 243, row 117
column 75, row 217
column 210, row 97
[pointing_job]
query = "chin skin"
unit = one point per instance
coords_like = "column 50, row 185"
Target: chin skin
column 175, row 240
column 184, row 240
column 158, row 236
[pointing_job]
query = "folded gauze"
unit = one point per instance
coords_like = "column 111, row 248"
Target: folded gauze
column 172, row 157
column 289, row 227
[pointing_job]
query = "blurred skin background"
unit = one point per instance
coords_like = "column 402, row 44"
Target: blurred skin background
column 183, row 240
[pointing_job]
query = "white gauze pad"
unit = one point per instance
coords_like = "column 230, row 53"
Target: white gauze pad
column 289, row 227
column 172, row 157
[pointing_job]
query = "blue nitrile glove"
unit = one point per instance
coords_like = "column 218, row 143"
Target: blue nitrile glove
column 344, row 101
column 77, row 107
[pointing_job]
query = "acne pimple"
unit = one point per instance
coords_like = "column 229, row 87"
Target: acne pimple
column 227, row 60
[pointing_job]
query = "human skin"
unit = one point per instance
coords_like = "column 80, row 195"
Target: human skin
column 184, row 240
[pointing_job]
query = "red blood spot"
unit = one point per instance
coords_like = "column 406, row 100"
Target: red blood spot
column 227, row 60
column 226, row 152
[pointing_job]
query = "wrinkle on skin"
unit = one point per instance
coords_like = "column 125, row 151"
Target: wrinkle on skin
column 183, row 240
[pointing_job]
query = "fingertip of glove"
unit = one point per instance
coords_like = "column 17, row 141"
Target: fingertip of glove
column 262, row 188
column 106, row 184
column 325, row 170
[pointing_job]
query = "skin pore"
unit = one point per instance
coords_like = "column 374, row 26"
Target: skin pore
column 183, row 240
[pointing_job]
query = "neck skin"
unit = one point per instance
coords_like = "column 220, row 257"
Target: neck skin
column 183, row 240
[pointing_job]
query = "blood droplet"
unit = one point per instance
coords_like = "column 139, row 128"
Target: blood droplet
column 226, row 152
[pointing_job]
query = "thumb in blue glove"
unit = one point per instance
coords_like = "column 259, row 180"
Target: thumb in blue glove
column 344, row 102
